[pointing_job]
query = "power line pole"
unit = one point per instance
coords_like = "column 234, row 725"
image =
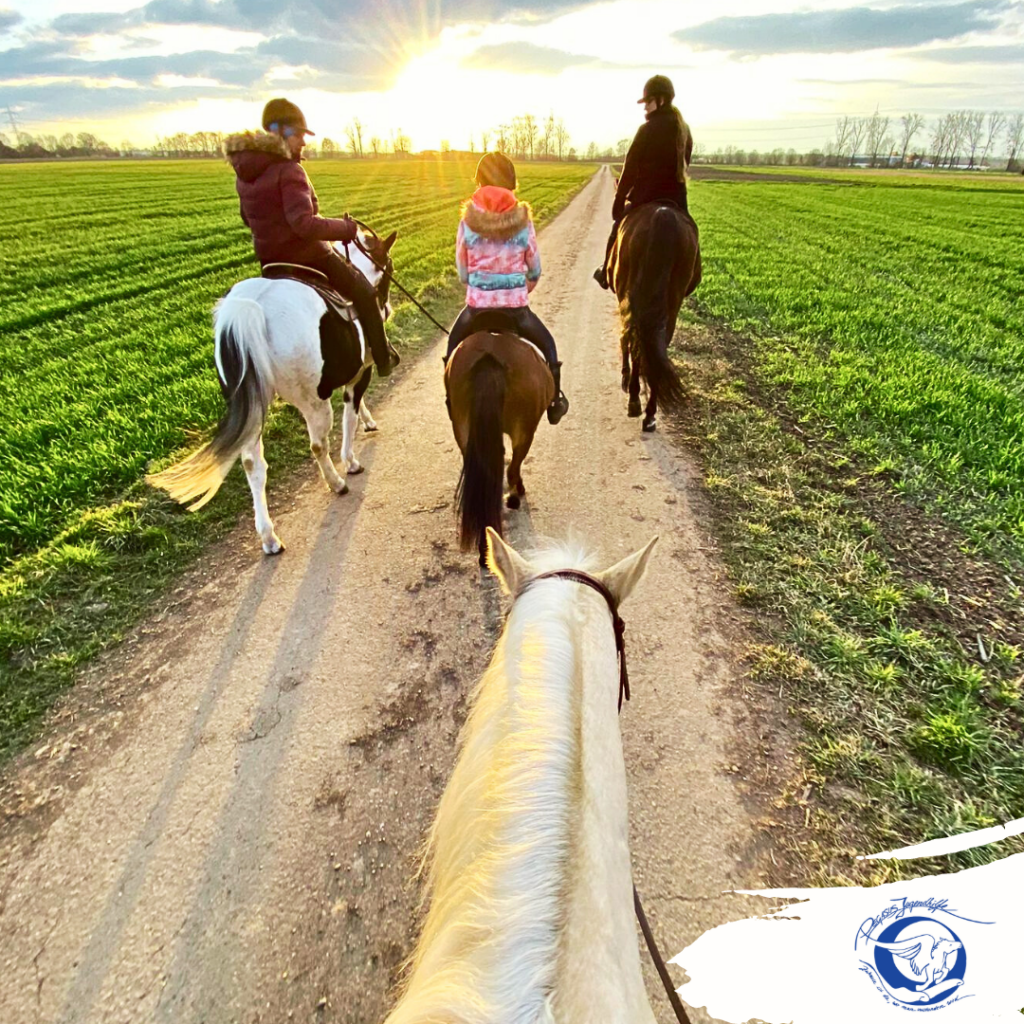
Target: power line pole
column 14, row 126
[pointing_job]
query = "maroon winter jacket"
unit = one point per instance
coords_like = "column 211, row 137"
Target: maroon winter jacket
column 278, row 203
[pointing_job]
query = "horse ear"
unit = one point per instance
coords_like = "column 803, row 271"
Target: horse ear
column 622, row 577
column 506, row 563
column 390, row 241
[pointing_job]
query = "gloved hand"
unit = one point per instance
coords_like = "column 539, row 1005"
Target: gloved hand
column 349, row 230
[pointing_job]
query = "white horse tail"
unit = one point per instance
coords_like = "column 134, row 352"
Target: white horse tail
column 242, row 353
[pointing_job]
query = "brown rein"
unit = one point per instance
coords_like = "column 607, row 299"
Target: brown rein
column 577, row 576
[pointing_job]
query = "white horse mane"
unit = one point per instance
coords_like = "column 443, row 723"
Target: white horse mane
column 498, row 852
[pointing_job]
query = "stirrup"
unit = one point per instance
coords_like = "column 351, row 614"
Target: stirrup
column 558, row 408
column 601, row 277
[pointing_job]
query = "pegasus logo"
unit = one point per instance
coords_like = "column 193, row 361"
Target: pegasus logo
column 913, row 959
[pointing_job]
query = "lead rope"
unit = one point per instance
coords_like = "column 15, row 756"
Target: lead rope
column 620, row 647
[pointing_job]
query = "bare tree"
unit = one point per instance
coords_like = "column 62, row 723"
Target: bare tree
column 996, row 124
column 375, row 145
column 592, row 151
column 620, row 148
column 844, row 126
column 911, row 125
column 328, row 147
column 561, row 137
column 874, row 131
column 504, row 133
column 1014, row 140
column 485, row 140
column 354, row 132
column 974, row 130
column 400, row 144
column 857, row 126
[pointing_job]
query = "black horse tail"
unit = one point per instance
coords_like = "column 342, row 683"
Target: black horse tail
column 651, row 317
column 242, row 354
column 483, row 462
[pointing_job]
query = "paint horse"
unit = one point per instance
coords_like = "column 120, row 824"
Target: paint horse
column 267, row 342
column 654, row 265
column 496, row 383
column 531, row 900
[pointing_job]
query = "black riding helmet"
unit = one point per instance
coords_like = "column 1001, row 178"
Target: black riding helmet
column 280, row 112
column 496, row 169
column 657, row 86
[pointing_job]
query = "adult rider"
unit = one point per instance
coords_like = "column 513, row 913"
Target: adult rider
column 280, row 208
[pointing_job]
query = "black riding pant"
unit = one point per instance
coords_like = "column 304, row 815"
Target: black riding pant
column 520, row 319
column 344, row 278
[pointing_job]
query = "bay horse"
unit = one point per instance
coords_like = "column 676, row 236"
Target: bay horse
column 654, row 265
column 527, row 867
column 496, row 383
column 267, row 342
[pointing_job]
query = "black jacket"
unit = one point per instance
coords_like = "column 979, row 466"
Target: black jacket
column 649, row 173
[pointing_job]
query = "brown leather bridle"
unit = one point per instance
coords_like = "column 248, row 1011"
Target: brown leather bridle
column 577, row 576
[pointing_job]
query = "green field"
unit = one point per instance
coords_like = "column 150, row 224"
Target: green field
column 108, row 276
column 854, row 355
column 895, row 314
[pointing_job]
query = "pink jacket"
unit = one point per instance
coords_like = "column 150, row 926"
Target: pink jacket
column 496, row 249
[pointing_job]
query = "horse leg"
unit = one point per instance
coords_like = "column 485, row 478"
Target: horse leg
column 634, row 408
column 319, row 420
column 349, row 422
column 255, row 466
column 365, row 416
column 624, row 347
column 650, row 423
column 516, row 487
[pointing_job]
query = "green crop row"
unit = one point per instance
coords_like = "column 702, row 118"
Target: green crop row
column 894, row 317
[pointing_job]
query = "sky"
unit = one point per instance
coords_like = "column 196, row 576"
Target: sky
column 750, row 73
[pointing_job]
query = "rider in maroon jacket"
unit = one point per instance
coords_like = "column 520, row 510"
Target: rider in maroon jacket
column 280, row 208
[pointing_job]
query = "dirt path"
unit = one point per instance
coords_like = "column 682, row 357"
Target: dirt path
column 231, row 835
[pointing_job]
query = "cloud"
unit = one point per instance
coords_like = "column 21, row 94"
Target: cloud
column 8, row 19
column 524, row 58
column 1012, row 54
column 847, row 30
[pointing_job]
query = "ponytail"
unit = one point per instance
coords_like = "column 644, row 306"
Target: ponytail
column 683, row 146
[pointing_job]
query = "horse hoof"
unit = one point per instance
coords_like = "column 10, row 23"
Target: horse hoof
column 520, row 488
column 273, row 546
column 355, row 468
column 650, row 425
column 343, row 489
column 370, row 428
column 634, row 409
column 512, row 501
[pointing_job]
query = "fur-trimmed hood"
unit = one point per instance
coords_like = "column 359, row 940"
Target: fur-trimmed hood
column 496, row 213
column 251, row 153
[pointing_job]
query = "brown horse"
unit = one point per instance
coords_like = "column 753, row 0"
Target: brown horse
column 654, row 265
column 496, row 384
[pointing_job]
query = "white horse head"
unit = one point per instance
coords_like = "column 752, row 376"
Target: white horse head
column 372, row 258
column 531, row 900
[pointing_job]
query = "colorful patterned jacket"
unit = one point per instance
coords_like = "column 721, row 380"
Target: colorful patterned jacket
column 496, row 249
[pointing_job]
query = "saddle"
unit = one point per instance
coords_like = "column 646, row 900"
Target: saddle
column 336, row 303
column 339, row 346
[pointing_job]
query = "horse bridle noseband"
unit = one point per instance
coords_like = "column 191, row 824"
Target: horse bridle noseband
column 584, row 578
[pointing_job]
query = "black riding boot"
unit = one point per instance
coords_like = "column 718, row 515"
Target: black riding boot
column 559, row 404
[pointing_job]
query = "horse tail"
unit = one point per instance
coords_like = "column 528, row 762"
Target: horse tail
column 242, row 354
column 651, row 322
column 479, row 491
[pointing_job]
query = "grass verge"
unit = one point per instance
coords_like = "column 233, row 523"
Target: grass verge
column 891, row 638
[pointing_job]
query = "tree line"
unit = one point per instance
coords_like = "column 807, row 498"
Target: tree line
column 964, row 139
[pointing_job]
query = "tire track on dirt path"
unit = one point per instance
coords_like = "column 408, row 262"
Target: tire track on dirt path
column 239, row 844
